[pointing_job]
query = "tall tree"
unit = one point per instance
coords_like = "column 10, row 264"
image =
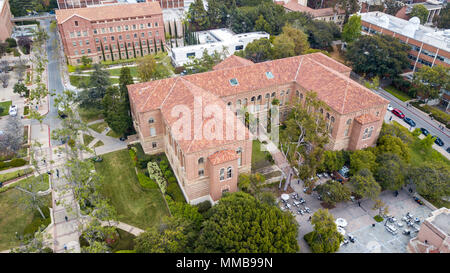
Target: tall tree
column 392, row 6
column 429, row 81
column 146, row 68
column 390, row 172
column 378, row 55
column 362, row 159
column 115, row 110
column 443, row 19
column 227, row 230
column 333, row 192
column 257, row 51
column 324, row 238
column 432, row 179
column 283, row 46
column 352, row 29
column 299, row 38
column 421, row 12
column 96, row 90
column 365, row 185
column 349, row 6
column 198, row 15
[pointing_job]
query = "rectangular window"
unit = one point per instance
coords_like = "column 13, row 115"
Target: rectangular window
column 239, row 47
column 149, row 34
column 134, row 26
column 99, row 49
column 78, row 33
column 103, row 30
column 156, row 24
column 84, row 33
column 201, row 172
column 82, row 51
column 142, row 26
column 111, row 29
column 80, row 42
column 96, row 40
column 76, row 23
column 149, row 25
column 142, row 34
column 191, row 54
column 76, row 52
column 156, row 33
column 104, row 39
column 128, row 36
column 74, row 43
column 106, row 48
column 87, row 42
column 95, row 31
column 121, row 45
column 126, row 27
column 135, row 35
column 152, row 131
column 120, row 37
column 89, row 50
column 112, row 38
column 154, row 145
column 72, row 35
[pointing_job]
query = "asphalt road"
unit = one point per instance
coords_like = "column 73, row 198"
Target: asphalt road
column 421, row 120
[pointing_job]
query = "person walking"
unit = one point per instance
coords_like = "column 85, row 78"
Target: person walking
column 390, row 118
column 67, row 219
column 57, row 173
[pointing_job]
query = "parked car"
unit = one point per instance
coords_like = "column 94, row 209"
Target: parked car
column 448, row 150
column 409, row 121
column 438, row 141
column 424, row 131
column 13, row 110
column 398, row 113
column 390, row 108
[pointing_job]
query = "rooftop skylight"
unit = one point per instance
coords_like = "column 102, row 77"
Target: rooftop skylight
column 269, row 75
column 234, row 82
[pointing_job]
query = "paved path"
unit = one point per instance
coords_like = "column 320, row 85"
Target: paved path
column 128, row 228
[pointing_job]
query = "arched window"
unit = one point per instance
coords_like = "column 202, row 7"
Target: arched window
column 349, row 121
column 273, row 94
column 259, row 97
column 238, row 102
column 287, row 92
column 151, row 120
column 222, row 174
column 332, row 119
column 253, row 98
column 245, row 101
column 229, row 104
column 200, row 160
column 229, row 172
column 267, row 95
column 328, row 115
column 297, row 93
column 282, row 93
column 301, row 96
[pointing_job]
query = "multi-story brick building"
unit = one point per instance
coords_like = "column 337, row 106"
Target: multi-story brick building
column 324, row 14
column 428, row 46
column 207, row 165
column 111, row 32
column 70, row 4
column 6, row 26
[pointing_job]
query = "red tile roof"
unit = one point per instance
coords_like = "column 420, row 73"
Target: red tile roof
column 401, row 13
column 366, row 118
column 222, row 156
column 232, row 61
column 108, row 12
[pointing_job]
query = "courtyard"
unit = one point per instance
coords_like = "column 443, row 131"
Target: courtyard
column 360, row 220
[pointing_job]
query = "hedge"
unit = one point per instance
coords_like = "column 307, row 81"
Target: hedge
column 204, row 206
column 146, row 182
column 16, row 162
column 174, row 191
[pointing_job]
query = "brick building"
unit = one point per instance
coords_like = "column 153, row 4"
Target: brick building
column 6, row 25
column 428, row 46
column 111, row 32
column 70, row 4
column 208, row 165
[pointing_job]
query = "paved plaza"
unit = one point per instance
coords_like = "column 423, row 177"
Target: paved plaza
column 360, row 220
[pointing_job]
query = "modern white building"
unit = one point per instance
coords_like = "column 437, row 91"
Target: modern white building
column 214, row 40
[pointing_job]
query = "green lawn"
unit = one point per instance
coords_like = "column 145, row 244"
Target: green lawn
column 13, row 218
column 116, row 71
column 398, row 94
column 15, row 174
column 111, row 133
column 124, row 242
column 78, row 80
column 87, row 139
column 258, row 157
column 99, row 127
column 90, row 114
column 98, row 144
column 135, row 206
column 419, row 154
column 5, row 106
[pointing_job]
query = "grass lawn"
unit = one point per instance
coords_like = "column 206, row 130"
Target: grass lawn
column 99, row 127
column 87, row 139
column 90, row 114
column 98, row 144
column 125, row 241
column 5, row 106
column 420, row 154
column 15, row 174
column 13, row 218
column 116, row 71
column 135, row 206
column 78, row 80
column 258, row 157
column 111, row 133
column 398, row 94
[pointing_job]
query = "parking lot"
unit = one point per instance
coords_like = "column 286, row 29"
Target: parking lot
column 360, row 220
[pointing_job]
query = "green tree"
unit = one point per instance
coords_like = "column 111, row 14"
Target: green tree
column 198, row 15
column 349, row 6
column 115, row 110
column 228, row 228
column 21, row 89
column 392, row 6
column 324, row 238
column 96, row 90
column 421, row 12
column 333, row 160
column 258, row 51
column 429, row 81
column 333, row 192
column 378, row 55
column 393, row 144
column 124, row 80
column 352, row 30
column 321, row 34
column 299, row 38
column 362, row 159
column 432, row 179
column 390, row 173
column 146, row 67
column 443, row 19
column 262, row 25
column 251, row 183
column 283, row 46
column 86, row 61
column 365, row 185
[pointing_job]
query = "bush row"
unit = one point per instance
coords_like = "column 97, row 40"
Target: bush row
column 436, row 114
column 16, row 162
column 146, row 182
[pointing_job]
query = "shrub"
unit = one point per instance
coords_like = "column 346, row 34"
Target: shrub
column 171, row 180
column 16, row 52
column 174, row 192
column 204, row 206
column 163, row 165
column 168, row 174
column 11, row 42
column 38, row 221
column 378, row 218
column 16, row 162
column 416, row 132
column 146, row 182
column 133, row 156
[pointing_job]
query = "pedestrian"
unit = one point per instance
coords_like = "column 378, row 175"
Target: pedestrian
column 57, row 173
column 359, row 203
column 309, row 219
column 67, row 219
column 390, row 118
column 65, row 247
column 49, row 172
column 373, row 225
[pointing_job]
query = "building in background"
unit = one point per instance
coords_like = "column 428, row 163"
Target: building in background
column 433, row 7
column 215, row 39
column 434, row 234
column 325, row 14
column 428, row 46
column 70, row 4
column 206, row 166
column 6, row 26
column 108, row 33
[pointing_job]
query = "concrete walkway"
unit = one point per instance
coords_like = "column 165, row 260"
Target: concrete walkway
column 128, row 228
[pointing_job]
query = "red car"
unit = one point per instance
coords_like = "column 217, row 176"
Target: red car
column 398, row 113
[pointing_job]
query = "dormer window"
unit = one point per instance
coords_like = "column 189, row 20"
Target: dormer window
column 234, row 82
column 151, row 120
column 269, row 75
column 76, row 23
column 200, row 160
